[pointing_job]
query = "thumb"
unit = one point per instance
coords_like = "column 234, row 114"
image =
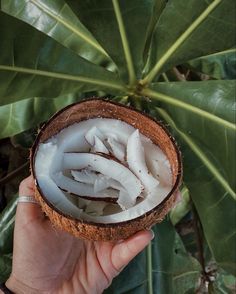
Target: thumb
column 123, row 252
column 27, row 211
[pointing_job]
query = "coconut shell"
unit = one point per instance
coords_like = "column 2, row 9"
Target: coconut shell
column 149, row 127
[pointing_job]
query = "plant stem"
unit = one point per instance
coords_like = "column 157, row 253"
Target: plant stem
column 198, row 234
column 165, row 77
column 205, row 280
column 178, row 75
column 149, row 268
column 125, row 43
column 184, row 105
column 156, row 69
column 13, row 174
column 37, row 72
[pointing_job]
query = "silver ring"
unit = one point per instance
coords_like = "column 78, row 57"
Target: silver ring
column 27, row 199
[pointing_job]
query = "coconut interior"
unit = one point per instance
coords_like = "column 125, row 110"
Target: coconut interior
column 97, row 108
column 103, row 170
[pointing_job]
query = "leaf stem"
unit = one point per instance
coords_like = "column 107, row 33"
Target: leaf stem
column 125, row 43
column 13, row 174
column 149, row 268
column 164, row 75
column 198, row 234
column 180, row 77
column 156, row 69
column 183, row 105
column 117, row 86
column 206, row 282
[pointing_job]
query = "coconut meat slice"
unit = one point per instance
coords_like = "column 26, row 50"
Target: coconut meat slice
column 81, row 189
column 99, row 181
column 103, row 182
column 137, row 163
column 107, row 167
column 58, row 197
column 117, row 149
column 157, row 163
column 92, row 133
column 84, row 176
column 154, row 198
column 112, row 128
column 98, row 146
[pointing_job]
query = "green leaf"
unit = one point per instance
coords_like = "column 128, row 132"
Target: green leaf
column 200, row 28
column 121, row 27
column 224, row 283
column 28, row 113
column 221, row 65
column 5, row 267
column 45, row 68
column 7, row 219
column 216, row 209
column 57, row 20
column 166, row 267
column 209, row 120
column 158, row 7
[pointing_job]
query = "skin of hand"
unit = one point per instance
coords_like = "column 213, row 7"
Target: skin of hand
column 48, row 260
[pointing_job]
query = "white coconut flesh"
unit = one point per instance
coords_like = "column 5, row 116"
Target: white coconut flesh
column 83, row 167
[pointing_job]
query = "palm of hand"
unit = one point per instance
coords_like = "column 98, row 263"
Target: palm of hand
column 57, row 260
column 46, row 260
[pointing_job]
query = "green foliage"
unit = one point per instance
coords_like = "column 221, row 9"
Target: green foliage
column 6, row 238
column 221, row 65
column 60, row 51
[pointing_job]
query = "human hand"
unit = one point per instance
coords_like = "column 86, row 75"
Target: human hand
column 48, row 260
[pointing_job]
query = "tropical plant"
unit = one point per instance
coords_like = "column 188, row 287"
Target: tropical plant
column 172, row 59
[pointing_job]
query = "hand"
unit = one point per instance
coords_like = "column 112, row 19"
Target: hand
column 48, row 260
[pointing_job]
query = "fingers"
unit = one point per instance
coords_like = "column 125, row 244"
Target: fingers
column 25, row 210
column 26, row 187
column 123, row 252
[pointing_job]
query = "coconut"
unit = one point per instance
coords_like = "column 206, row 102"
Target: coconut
column 104, row 171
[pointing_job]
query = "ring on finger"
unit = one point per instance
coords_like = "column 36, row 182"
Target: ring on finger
column 27, row 199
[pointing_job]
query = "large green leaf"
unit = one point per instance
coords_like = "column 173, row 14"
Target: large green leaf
column 221, row 65
column 209, row 188
column 43, row 68
column 188, row 30
column 202, row 116
column 158, row 7
column 122, row 28
column 28, row 113
column 205, row 110
column 57, row 20
column 165, row 267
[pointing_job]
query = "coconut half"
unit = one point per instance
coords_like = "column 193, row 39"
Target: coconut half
column 104, row 171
